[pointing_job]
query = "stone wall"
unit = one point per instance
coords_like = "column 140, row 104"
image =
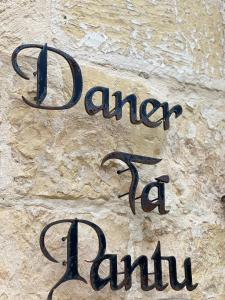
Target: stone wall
column 50, row 160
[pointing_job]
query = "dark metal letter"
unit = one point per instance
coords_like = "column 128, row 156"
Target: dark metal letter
column 97, row 282
column 177, row 110
column 145, row 116
column 148, row 205
column 172, row 272
column 175, row 284
column 129, row 159
column 119, row 103
column 93, row 109
column 142, row 262
column 42, row 76
column 158, row 269
column 42, row 70
column 72, row 272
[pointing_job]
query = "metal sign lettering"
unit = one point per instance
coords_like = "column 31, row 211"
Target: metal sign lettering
column 72, row 264
column 91, row 108
column 42, row 76
column 146, row 204
column 98, row 283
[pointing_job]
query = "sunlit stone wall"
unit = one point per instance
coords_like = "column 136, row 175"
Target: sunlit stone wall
column 171, row 50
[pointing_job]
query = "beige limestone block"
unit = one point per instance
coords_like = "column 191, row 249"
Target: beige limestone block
column 50, row 161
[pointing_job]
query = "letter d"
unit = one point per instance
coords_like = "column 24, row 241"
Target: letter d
column 42, row 76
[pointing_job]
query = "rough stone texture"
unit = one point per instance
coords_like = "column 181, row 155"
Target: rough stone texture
column 50, row 161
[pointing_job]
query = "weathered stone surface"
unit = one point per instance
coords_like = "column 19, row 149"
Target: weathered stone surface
column 50, row 161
